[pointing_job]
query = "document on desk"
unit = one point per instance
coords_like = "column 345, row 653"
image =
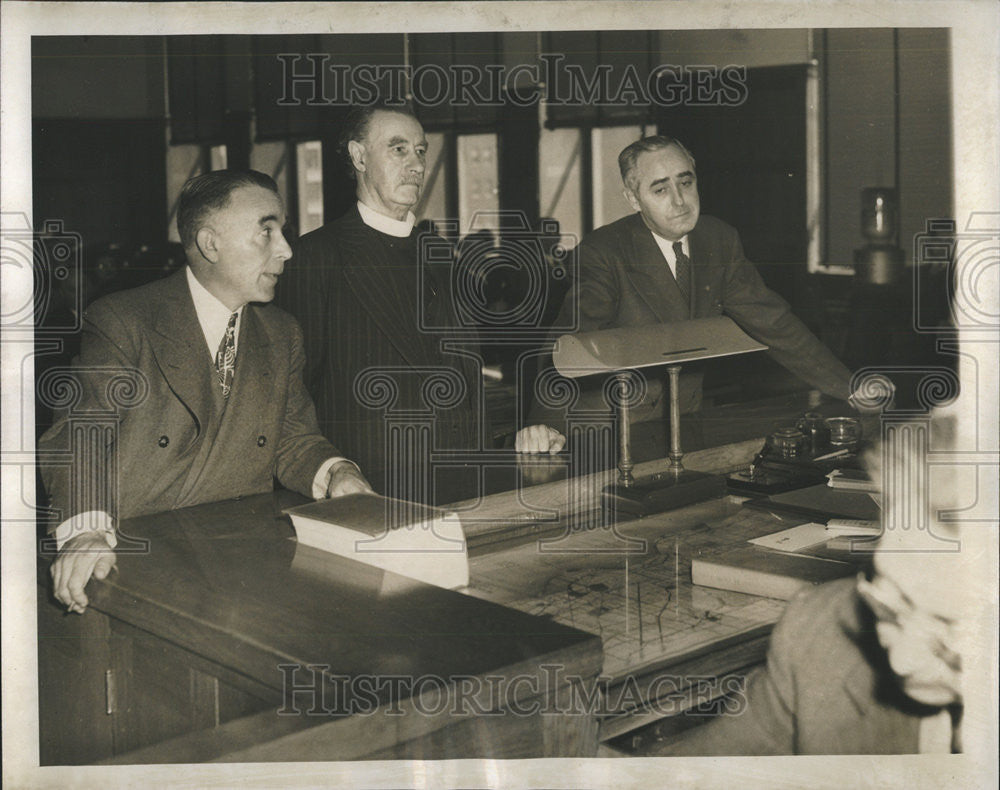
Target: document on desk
column 410, row 539
column 795, row 539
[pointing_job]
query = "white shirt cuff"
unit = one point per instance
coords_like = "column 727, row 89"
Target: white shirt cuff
column 319, row 481
column 90, row 521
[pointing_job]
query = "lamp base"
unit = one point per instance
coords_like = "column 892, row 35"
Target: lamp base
column 663, row 491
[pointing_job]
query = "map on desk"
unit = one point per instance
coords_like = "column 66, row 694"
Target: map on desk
column 642, row 605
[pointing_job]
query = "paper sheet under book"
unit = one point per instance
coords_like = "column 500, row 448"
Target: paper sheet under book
column 413, row 540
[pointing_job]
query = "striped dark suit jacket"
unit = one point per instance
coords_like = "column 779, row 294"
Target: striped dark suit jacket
column 385, row 380
column 148, row 431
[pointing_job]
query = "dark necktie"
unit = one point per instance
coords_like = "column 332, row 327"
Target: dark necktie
column 225, row 357
column 683, row 272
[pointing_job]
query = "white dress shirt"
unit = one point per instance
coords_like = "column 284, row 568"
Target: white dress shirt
column 212, row 314
column 667, row 248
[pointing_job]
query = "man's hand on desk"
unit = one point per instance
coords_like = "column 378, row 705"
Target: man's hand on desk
column 80, row 558
column 536, row 469
column 343, row 479
column 539, row 439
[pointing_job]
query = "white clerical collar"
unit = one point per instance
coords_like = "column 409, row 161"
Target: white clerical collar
column 212, row 314
column 388, row 225
column 667, row 248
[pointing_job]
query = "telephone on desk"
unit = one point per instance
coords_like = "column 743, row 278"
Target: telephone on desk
column 800, row 456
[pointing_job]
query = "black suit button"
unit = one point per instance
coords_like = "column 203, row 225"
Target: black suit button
column 163, row 441
column 261, row 441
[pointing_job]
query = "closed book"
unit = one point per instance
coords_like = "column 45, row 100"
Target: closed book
column 771, row 574
column 410, row 539
column 820, row 503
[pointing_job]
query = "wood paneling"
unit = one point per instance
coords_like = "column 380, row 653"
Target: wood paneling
column 222, row 598
column 73, row 656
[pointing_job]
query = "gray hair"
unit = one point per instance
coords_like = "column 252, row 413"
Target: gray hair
column 357, row 124
column 627, row 158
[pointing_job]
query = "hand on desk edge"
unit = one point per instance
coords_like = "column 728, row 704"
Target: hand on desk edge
column 539, row 439
column 80, row 558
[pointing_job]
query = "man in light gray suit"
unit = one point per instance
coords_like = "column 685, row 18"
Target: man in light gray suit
column 218, row 407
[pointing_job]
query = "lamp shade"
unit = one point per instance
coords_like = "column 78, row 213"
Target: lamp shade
column 629, row 348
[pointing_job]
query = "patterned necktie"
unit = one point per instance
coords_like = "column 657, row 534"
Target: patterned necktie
column 225, row 357
column 683, row 274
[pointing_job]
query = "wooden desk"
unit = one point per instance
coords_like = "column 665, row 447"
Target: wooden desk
column 190, row 637
column 669, row 646
column 180, row 657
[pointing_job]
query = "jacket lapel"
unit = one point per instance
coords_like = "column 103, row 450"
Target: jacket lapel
column 649, row 273
column 242, row 411
column 179, row 347
column 878, row 721
column 703, row 255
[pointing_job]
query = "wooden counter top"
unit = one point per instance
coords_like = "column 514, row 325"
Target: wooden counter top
column 226, row 586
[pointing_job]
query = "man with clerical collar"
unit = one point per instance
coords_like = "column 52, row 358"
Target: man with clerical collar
column 376, row 316
column 188, row 389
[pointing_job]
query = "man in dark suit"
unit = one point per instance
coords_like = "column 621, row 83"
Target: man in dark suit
column 669, row 263
column 189, row 387
column 377, row 316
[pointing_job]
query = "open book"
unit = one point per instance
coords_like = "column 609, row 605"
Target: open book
column 417, row 541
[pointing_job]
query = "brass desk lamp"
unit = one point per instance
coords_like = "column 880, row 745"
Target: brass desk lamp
column 618, row 351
